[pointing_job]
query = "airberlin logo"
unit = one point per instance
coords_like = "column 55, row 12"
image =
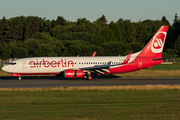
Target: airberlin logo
column 158, row 42
column 46, row 63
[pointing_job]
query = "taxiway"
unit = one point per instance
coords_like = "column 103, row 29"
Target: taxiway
column 52, row 81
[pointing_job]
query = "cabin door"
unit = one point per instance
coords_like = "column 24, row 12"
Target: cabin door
column 139, row 62
column 24, row 64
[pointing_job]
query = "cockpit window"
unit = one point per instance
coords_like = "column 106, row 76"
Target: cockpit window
column 11, row 63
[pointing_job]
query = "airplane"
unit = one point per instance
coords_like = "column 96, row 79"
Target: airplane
column 84, row 67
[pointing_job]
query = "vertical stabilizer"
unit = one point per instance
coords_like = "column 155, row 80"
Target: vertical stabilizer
column 155, row 46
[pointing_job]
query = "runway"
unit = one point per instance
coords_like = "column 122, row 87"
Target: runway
column 52, row 81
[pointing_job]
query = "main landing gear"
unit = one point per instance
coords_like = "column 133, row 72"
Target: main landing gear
column 88, row 76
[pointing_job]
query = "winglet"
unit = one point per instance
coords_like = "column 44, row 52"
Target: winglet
column 127, row 59
column 94, row 54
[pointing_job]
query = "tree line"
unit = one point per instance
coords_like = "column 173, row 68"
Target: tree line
column 34, row 36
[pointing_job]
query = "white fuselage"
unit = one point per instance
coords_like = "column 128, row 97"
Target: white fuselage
column 57, row 64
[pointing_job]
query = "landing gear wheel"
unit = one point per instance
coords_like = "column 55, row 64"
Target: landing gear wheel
column 85, row 77
column 89, row 77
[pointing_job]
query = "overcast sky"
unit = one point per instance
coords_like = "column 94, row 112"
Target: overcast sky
column 71, row 10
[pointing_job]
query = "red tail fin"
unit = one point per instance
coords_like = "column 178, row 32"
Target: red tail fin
column 155, row 46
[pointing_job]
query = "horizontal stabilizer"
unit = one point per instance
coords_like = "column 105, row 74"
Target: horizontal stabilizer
column 163, row 58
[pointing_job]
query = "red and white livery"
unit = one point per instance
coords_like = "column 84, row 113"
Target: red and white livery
column 84, row 67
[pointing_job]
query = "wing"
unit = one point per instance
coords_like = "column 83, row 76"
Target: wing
column 104, row 68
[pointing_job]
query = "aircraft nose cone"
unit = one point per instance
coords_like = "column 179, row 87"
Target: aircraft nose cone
column 4, row 68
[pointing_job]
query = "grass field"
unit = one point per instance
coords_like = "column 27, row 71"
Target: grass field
column 78, row 103
column 166, row 67
column 91, row 105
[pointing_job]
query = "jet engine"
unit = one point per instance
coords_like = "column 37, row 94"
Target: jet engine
column 70, row 73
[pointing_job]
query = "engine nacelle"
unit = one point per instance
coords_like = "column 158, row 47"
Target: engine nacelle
column 79, row 74
column 70, row 73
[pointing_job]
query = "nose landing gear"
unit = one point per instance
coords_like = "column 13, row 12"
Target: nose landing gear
column 20, row 77
column 17, row 75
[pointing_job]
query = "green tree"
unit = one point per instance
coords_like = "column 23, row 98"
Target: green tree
column 115, row 48
column 165, row 21
column 47, row 25
column 60, row 21
column 99, row 25
column 21, row 52
column 136, row 46
column 43, row 37
column 16, row 28
column 58, row 30
column 103, row 19
column 115, row 28
column 173, row 33
column 177, row 46
column 5, row 51
column 31, row 46
column 57, row 47
column 73, row 50
column 33, row 25
column 169, row 52
column 83, row 21
column 44, row 50
column 108, row 35
column 176, row 18
column 3, row 30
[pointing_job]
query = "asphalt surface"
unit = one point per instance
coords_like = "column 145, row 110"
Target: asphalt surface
column 52, row 81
